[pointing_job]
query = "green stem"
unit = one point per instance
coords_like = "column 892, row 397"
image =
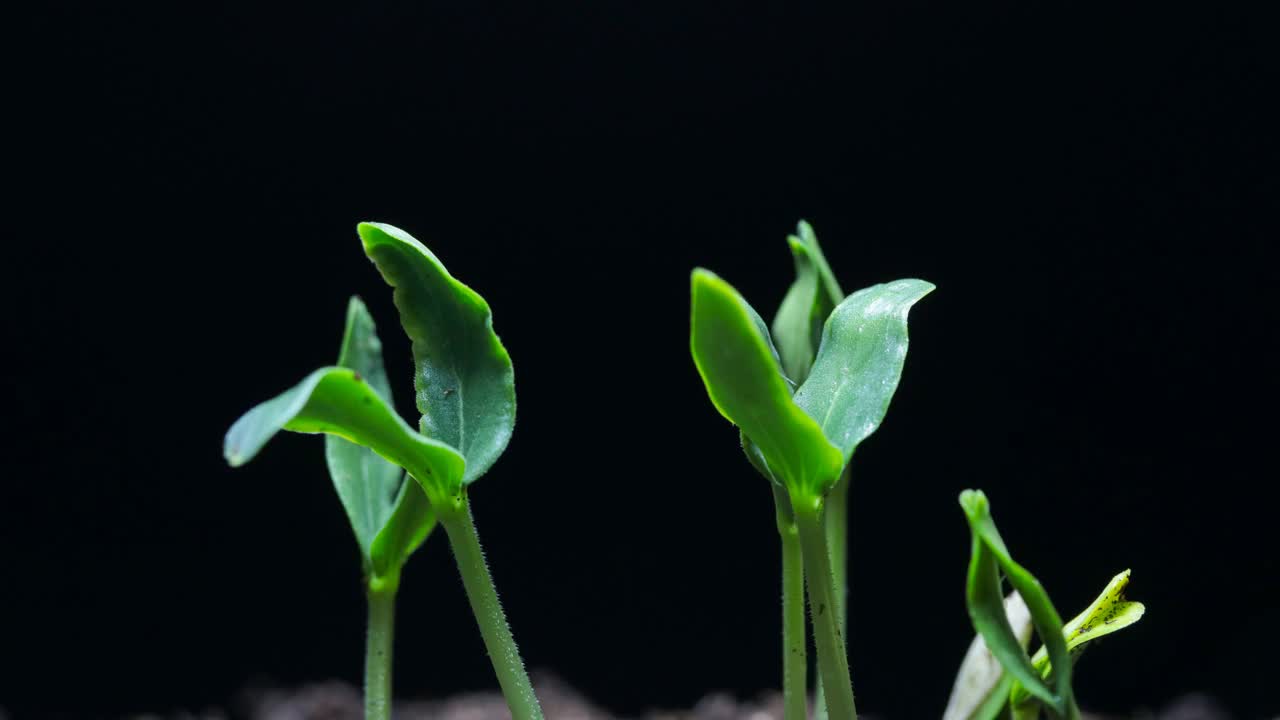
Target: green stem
column 377, row 653
column 504, row 655
column 794, row 649
column 833, row 663
column 838, row 544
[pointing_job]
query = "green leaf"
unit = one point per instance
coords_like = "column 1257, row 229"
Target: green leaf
column 391, row 516
column 797, row 327
column 1107, row 614
column 336, row 401
column 366, row 484
column 411, row 521
column 740, row 370
column 859, row 363
column 756, row 458
column 463, row 378
column 989, row 557
column 810, row 240
column 982, row 687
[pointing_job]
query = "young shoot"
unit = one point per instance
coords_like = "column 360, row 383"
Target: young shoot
column 1024, row 686
column 465, row 391
column 797, row 331
column 800, row 434
column 389, row 515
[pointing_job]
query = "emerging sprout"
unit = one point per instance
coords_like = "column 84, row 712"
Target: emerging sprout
column 1027, row 684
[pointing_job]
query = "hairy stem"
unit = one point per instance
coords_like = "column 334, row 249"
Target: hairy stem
column 794, row 649
column 833, row 663
column 516, row 687
column 378, row 644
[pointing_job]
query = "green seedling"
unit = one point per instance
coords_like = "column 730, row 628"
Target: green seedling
column 1027, row 685
column 389, row 515
column 800, row 432
column 465, row 392
column 802, row 407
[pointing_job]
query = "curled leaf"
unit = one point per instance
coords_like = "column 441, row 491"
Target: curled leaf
column 988, row 559
column 336, row 401
column 1107, row 614
column 463, row 378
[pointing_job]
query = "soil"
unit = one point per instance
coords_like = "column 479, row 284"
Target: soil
column 335, row 700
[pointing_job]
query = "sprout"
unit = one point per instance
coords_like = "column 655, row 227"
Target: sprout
column 465, row 391
column 801, row 413
column 1027, row 684
column 801, row 408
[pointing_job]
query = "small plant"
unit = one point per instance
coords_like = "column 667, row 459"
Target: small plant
column 387, row 511
column 465, row 392
column 802, row 413
column 802, row 406
column 1021, row 686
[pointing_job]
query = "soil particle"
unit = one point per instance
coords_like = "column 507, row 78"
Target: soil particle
column 335, row 700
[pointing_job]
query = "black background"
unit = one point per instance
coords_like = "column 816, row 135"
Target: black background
column 1091, row 187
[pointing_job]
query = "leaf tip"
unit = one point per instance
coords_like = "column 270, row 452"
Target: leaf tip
column 798, row 247
column 702, row 281
column 974, row 502
column 376, row 233
column 233, row 456
column 914, row 289
column 701, row 274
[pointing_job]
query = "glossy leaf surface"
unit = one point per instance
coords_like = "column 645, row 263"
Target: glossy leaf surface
column 463, row 378
column 859, row 363
column 988, row 559
column 740, row 369
column 797, row 326
column 336, row 401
